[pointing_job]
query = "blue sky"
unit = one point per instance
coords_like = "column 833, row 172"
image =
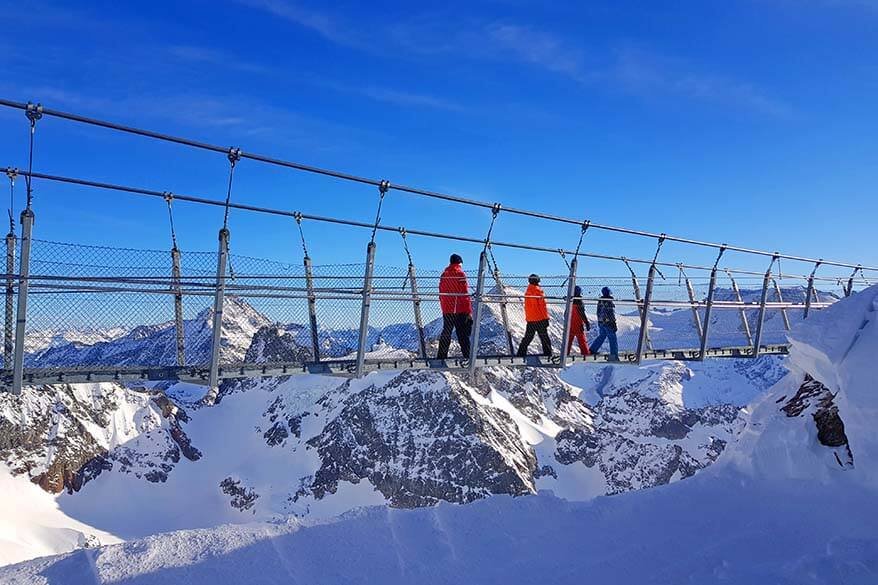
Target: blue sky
column 751, row 122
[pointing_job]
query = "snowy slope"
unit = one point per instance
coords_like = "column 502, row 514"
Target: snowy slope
column 33, row 525
column 780, row 508
column 312, row 446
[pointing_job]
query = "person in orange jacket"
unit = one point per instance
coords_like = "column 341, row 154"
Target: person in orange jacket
column 578, row 324
column 537, row 316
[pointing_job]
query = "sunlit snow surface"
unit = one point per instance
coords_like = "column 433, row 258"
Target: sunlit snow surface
column 776, row 508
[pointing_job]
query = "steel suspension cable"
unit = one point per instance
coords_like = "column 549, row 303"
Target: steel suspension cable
column 405, row 244
column 495, row 211
column 298, row 217
column 383, row 187
column 403, row 188
column 169, row 199
column 12, row 174
column 33, row 112
column 234, row 156
column 353, row 223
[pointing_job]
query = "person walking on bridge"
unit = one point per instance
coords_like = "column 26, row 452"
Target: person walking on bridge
column 537, row 316
column 606, row 324
column 457, row 308
column 578, row 324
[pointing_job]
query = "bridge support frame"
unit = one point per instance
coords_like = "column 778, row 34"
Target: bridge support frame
column 218, row 299
column 696, row 317
column 760, row 318
column 745, row 324
column 783, row 311
column 416, row 307
column 312, row 308
column 638, row 297
column 644, row 315
column 178, row 306
column 27, row 225
column 9, row 322
column 711, row 292
column 568, row 312
column 477, row 315
column 504, row 310
column 364, row 310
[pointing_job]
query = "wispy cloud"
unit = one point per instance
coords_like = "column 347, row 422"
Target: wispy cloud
column 643, row 73
column 648, row 73
column 392, row 96
column 319, row 22
column 538, row 48
column 208, row 56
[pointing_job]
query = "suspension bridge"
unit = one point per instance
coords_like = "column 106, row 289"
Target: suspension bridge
column 209, row 316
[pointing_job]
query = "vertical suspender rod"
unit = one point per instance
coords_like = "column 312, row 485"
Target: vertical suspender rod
column 568, row 311
column 711, row 292
column 760, row 319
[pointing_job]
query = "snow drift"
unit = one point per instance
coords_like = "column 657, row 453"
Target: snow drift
column 782, row 507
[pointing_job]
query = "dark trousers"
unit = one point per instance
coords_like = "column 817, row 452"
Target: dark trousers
column 606, row 332
column 540, row 328
column 462, row 323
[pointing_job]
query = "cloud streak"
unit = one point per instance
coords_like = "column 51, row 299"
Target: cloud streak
column 313, row 20
column 641, row 73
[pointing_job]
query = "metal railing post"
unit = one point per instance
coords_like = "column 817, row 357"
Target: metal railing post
column 9, row 323
column 711, row 291
column 312, row 308
column 783, row 310
column 504, row 312
column 696, row 318
column 178, row 306
column 809, row 292
column 644, row 314
column 27, row 224
column 760, row 318
column 416, row 305
column 364, row 312
column 745, row 324
column 218, row 299
column 638, row 298
column 568, row 312
column 477, row 315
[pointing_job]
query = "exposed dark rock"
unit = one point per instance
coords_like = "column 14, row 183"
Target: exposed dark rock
column 545, row 471
column 814, row 397
column 630, row 464
column 421, row 439
column 277, row 434
column 241, row 498
column 55, row 447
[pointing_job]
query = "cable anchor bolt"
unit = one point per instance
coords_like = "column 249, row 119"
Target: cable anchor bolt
column 383, row 186
column 33, row 112
column 234, row 155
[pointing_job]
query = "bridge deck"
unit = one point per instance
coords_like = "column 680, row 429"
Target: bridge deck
column 347, row 368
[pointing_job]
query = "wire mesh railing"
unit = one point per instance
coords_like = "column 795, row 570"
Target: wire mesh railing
column 98, row 308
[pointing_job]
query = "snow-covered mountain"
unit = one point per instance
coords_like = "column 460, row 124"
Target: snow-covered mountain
column 38, row 341
column 156, row 344
column 789, row 501
column 313, row 447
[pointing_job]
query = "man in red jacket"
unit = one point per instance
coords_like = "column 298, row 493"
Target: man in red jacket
column 457, row 309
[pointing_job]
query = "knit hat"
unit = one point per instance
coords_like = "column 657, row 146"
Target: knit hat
column 577, row 291
column 534, row 279
column 456, row 259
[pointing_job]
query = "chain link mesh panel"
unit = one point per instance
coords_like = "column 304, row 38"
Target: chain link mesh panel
column 93, row 306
